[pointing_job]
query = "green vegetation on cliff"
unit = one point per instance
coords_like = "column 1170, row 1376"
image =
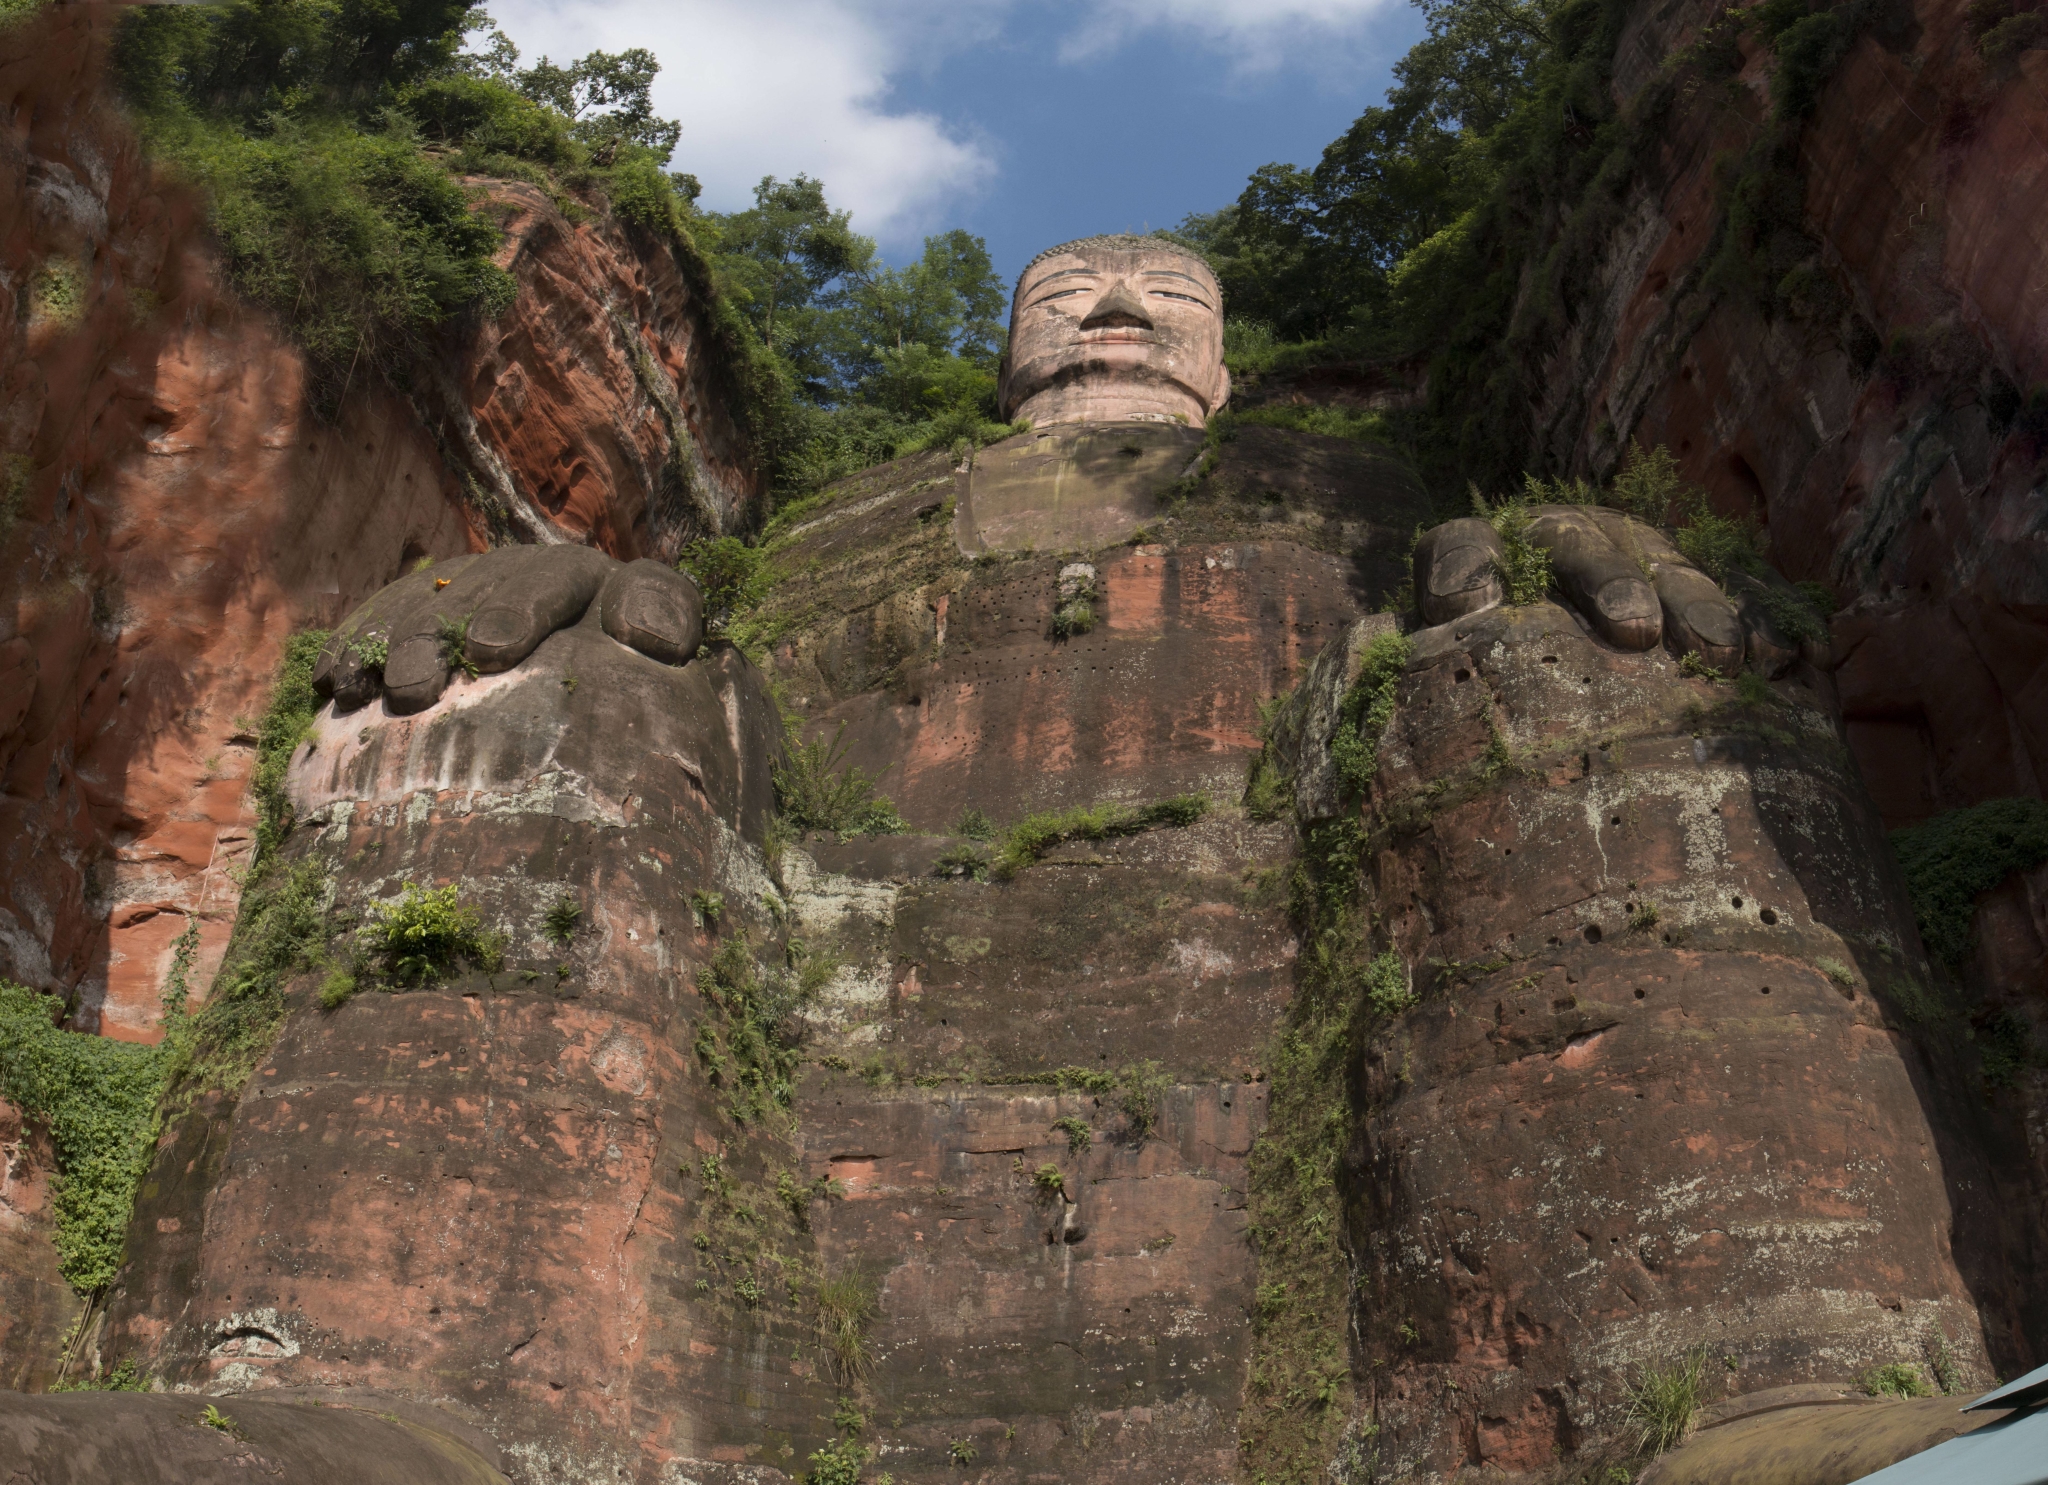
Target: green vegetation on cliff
column 1956, row 857
column 97, row 1096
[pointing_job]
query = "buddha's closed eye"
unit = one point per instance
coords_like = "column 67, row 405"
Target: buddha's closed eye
column 1169, row 294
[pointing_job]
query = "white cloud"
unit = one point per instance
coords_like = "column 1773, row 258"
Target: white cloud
column 1256, row 34
column 787, row 87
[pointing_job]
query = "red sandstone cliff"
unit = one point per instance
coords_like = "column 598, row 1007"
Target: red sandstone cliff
column 172, row 510
column 1907, row 477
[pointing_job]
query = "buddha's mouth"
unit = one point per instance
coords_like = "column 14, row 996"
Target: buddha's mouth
column 1117, row 335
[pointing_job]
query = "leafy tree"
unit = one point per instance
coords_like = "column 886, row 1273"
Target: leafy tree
column 606, row 96
column 788, row 259
column 1311, row 251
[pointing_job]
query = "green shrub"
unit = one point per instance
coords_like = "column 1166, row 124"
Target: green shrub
column 1387, row 987
column 1048, row 1181
column 1719, row 546
column 1690, row 664
column 707, row 908
column 732, row 576
column 818, row 793
column 1896, row 1379
column 975, row 826
column 1664, row 1401
column 1524, row 567
column 2006, row 1042
column 962, row 1451
column 1140, row 1087
column 837, row 1462
column 98, row 1097
column 1952, row 859
column 1647, row 485
column 1643, row 917
column 426, row 933
column 1079, row 1135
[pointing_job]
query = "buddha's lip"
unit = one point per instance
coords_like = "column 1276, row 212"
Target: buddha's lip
column 1121, row 334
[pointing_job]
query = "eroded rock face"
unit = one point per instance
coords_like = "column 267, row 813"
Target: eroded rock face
column 1874, row 430
column 1115, row 329
column 37, row 1308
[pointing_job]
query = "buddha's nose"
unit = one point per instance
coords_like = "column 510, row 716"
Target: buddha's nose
column 1120, row 306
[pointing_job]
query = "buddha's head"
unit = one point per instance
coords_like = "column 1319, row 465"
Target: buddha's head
column 1109, row 329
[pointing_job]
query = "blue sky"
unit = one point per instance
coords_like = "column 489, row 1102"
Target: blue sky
column 1026, row 121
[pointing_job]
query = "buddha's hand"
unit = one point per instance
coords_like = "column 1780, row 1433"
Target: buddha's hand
column 1624, row 577
column 487, row 613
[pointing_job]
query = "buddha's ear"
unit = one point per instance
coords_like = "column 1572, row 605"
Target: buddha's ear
column 1222, row 388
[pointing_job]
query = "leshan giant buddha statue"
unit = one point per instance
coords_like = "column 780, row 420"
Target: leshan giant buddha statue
column 961, row 1135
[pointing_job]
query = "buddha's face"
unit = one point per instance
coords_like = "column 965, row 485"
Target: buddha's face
column 1109, row 332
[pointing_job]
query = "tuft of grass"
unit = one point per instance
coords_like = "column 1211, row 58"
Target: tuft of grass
column 962, row 1451
column 708, row 908
column 1837, row 971
column 962, row 861
column 819, row 791
column 1691, row 664
column 1048, row 1181
column 975, row 826
column 337, row 989
column 214, row 1418
column 1895, row 1379
column 1642, row 917
column 1079, row 1135
column 1752, row 690
column 1952, row 859
column 1030, row 838
column 847, row 1307
column 563, row 917
column 453, row 635
column 1070, row 619
column 426, row 933
column 1664, row 1401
